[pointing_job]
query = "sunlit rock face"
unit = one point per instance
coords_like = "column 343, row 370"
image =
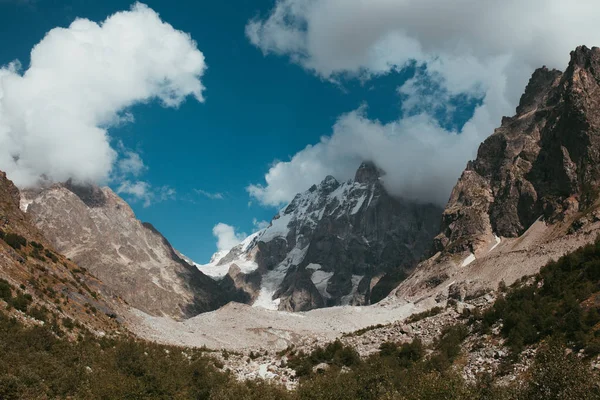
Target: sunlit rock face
column 98, row 230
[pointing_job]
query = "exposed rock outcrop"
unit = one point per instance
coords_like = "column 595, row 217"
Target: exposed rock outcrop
column 50, row 281
column 543, row 164
column 98, row 230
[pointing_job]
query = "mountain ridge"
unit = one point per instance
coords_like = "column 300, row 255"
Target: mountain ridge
column 332, row 243
column 98, row 229
column 532, row 187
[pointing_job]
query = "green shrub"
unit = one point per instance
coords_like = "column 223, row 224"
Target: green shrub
column 557, row 376
column 554, row 304
column 15, row 241
column 51, row 255
column 35, row 253
column 334, row 353
column 21, row 302
column 425, row 314
column 39, row 313
column 5, row 290
column 37, row 245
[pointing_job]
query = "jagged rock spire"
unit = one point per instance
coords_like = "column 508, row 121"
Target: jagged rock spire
column 368, row 172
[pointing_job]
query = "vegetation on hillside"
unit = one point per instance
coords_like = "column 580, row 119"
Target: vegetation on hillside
column 563, row 299
column 557, row 311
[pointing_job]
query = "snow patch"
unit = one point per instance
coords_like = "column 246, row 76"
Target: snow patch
column 24, row 204
column 358, row 205
column 371, row 198
column 321, row 279
column 278, row 228
column 468, row 260
column 498, row 241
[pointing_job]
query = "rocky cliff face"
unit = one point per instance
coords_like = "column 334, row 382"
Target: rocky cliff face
column 332, row 243
column 543, row 164
column 98, row 230
column 56, row 288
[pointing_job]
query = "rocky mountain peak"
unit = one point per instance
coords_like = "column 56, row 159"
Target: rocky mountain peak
column 542, row 163
column 584, row 57
column 331, row 245
column 328, row 185
column 368, row 173
column 97, row 229
column 91, row 195
column 537, row 89
column 38, row 269
column 532, row 191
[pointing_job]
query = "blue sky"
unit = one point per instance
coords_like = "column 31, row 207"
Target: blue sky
column 257, row 109
column 414, row 91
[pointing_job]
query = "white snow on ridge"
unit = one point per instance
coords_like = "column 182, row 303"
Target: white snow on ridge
column 371, row 198
column 348, row 298
column 246, row 243
column 359, row 204
column 278, row 228
column 273, row 279
column 498, row 241
column 24, row 204
column 320, row 279
column 468, row 260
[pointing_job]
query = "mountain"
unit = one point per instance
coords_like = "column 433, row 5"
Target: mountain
column 531, row 194
column 99, row 231
column 330, row 246
column 39, row 285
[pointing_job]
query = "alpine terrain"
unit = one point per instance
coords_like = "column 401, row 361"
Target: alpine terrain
column 98, row 230
column 335, row 244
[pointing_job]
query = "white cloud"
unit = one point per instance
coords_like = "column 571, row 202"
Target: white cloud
column 143, row 191
column 81, row 81
column 210, row 195
column 482, row 49
column 426, row 159
column 226, row 236
column 131, row 164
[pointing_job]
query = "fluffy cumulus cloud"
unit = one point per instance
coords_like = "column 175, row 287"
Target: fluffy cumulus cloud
column 55, row 116
column 483, row 50
column 227, row 237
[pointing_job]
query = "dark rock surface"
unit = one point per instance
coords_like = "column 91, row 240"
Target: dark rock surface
column 342, row 235
column 543, row 162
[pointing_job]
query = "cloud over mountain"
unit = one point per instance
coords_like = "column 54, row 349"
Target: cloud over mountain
column 226, row 236
column 55, row 115
column 477, row 50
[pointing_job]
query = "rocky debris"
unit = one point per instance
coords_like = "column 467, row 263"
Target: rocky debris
column 483, row 353
column 332, row 243
column 99, row 231
column 253, row 366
